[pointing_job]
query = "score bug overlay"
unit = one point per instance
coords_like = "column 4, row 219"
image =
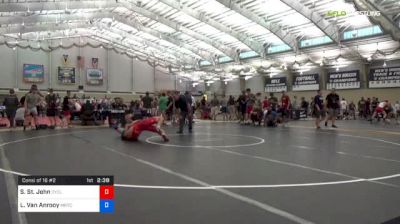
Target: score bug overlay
column 66, row 194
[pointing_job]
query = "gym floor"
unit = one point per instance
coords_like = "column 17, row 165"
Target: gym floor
column 223, row 173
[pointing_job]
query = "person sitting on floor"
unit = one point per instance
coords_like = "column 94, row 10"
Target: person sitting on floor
column 134, row 128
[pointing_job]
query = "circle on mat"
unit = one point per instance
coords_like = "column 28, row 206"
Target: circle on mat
column 203, row 140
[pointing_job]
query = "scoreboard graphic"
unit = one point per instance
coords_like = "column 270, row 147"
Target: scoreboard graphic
column 66, row 194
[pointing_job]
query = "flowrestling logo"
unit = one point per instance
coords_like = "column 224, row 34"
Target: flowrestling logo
column 338, row 13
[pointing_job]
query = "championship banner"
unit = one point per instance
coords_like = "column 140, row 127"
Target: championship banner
column 94, row 76
column 343, row 80
column 65, row 59
column 276, row 85
column 384, row 77
column 306, row 82
column 33, row 73
column 66, row 75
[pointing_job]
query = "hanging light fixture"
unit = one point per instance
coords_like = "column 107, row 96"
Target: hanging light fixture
column 384, row 64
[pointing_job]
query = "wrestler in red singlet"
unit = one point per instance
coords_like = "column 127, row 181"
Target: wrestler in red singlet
column 134, row 129
column 144, row 125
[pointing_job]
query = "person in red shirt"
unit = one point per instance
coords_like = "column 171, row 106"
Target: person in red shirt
column 285, row 106
column 133, row 129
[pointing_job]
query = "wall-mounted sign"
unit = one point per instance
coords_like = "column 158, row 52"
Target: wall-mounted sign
column 95, row 62
column 306, row 82
column 65, row 59
column 81, row 62
column 94, row 76
column 343, row 80
column 276, row 85
column 33, row 73
column 66, row 75
column 384, row 77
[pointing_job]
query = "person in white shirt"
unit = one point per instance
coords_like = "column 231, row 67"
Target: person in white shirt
column 397, row 111
column 343, row 109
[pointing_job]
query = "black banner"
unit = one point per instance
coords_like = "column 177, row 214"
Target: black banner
column 276, row 85
column 306, row 82
column 343, row 80
column 384, row 77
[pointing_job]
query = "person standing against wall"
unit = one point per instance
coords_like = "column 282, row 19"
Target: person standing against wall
column 361, row 108
column 163, row 104
column 215, row 104
column 11, row 103
column 231, row 107
column 66, row 108
column 242, row 100
column 224, row 108
column 333, row 105
column 397, row 111
column 147, row 103
column 343, row 109
column 51, row 112
column 285, row 108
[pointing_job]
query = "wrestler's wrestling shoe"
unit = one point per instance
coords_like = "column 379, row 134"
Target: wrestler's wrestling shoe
column 165, row 138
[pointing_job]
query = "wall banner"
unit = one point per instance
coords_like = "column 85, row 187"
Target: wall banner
column 343, row 80
column 305, row 82
column 384, row 77
column 276, row 85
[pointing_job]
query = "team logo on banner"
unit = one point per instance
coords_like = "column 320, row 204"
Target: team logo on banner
column 95, row 62
column 65, row 59
column 81, row 61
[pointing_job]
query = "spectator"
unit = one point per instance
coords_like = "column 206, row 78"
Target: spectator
column 147, row 103
column 397, row 111
column 67, row 109
column 215, row 104
column 285, row 107
column 343, row 109
column 163, row 104
column 189, row 101
column 32, row 99
column 304, row 105
column 332, row 104
column 51, row 101
column 231, row 107
column 224, row 108
column 295, row 104
column 318, row 110
column 352, row 110
column 361, row 108
column 367, row 108
column 242, row 100
column 250, row 100
column 11, row 104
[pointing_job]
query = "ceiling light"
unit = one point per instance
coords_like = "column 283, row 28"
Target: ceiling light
column 226, row 82
column 337, row 68
column 384, row 64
